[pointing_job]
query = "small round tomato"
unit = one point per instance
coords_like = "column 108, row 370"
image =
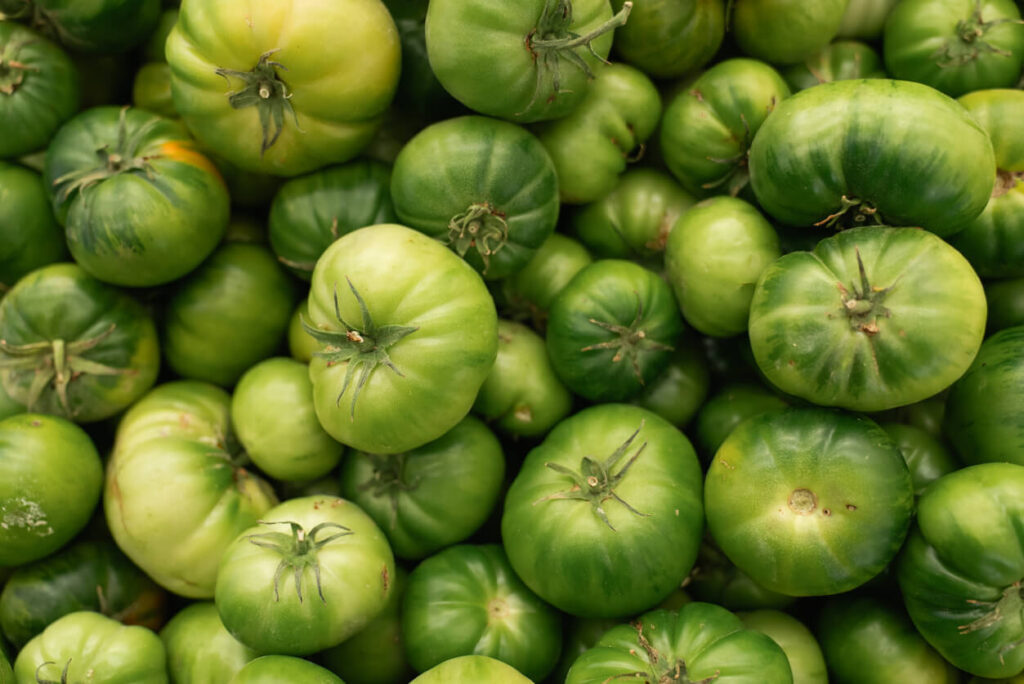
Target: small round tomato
column 199, row 648
column 31, row 236
column 839, row 61
column 151, row 89
column 865, row 19
column 801, row 648
column 679, row 391
column 784, row 31
column 669, row 38
column 927, row 458
column 528, row 293
column 729, row 407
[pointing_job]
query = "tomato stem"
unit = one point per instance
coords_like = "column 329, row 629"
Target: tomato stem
column 389, row 479
column 968, row 44
column 631, row 340
column 264, row 89
column 298, row 550
column 482, row 227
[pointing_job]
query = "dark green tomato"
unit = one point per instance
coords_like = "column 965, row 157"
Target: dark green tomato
column 700, row 642
column 246, row 228
column 867, row 641
column 310, row 212
column 527, row 294
column 231, row 313
column 39, row 89
column 784, row 31
column 86, row 645
column 409, row 495
column 140, row 205
column 839, row 61
column 471, row 669
column 634, row 219
column 955, row 46
column 872, row 150
column 272, row 669
column 1005, row 303
column 580, row 635
column 927, row 458
column 716, row 580
column 153, row 49
column 200, row 649
column 467, row 600
column 729, row 407
column 151, row 89
column 679, row 391
column 485, row 187
column 604, row 518
column 73, row 346
column 809, row 502
column 593, row 144
column 102, row 27
column 375, row 654
column 801, row 648
column 992, row 242
column 522, row 395
column 669, row 38
column 31, row 236
column 50, row 481
column 8, row 406
column 612, row 330
column 6, row 673
column 983, row 411
column 865, row 19
column 714, row 256
column 89, row 575
column 273, row 414
column 520, row 61
column 708, row 127
column 730, row 360
column 314, row 572
column 961, row 570
column 872, row 319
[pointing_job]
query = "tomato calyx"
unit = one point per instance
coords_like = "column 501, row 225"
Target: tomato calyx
column 631, row 340
column 298, row 551
column 853, row 212
column 551, row 41
column 263, row 88
column 480, row 226
column 63, row 673
column 389, row 479
column 595, row 482
column 12, row 71
column 863, row 306
column 364, row 350
column 659, row 672
column 737, row 176
column 968, row 44
column 1010, row 603
column 55, row 363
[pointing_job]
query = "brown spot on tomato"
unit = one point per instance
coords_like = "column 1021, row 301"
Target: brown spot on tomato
column 851, row 507
column 385, row 578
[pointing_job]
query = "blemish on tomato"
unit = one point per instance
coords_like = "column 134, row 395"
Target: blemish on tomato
column 385, row 578
column 851, row 507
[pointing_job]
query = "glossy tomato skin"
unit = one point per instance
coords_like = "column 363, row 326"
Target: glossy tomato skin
column 271, row 669
column 898, row 332
column 1005, row 303
column 588, row 566
column 785, row 31
column 472, row 668
column 809, row 502
column 328, row 94
column 410, row 280
column 926, row 455
column 199, row 648
column 527, row 294
column 907, row 153
column 140, row 205
column 729, row 407
column 670, row 39
column 678, row 393
column 31, row 236
column 104, row 27
column 467, row 600
column 839, row 61
column 960, row 570
column 793, row 637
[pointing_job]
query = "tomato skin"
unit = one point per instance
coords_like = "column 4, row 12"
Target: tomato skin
column 471, row 668
column 336, row 85
column 839, row 61
column 6, row 673
column 101, row 28
column 528, row 293
column 670, row 39
column 715, row 579
column 927, row 458
column 865, row 19
column 151, row 89
column 199, row 648
column 1005, row 304
column 787, row 491
column 785, row 31
column 936, row 172
column 300, row 344
column 729, row 407
column 271, row 669
column 801, row 648
column 49, row 485
column 680, row 390
column 919, row 332
column 567, row 554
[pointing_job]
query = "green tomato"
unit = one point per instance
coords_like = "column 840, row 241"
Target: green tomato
column 700, row 642
column 612, row 329
column 153, row 48
column 872, row 150
column 801, row 648
column 865, row 19
column 729, row 407
column 528, row 293
column 291, row 97
column 228, row 315
column 679, row 391
column 715, row 254
column 592, row 145
column 50, row 481
column 522, row 395
column 200, row 649
column 487, row 188
column 960, row 572
column 273, row 415
column 8, row 407
column 73, row 346
column 670, row 38
column 784, row 31
column 300, row 591
column 927, row 458
column 580, row 635
column 87, row 646
column 839, row 61
column 140, row 205
column 272, row 669
column 173, row 497
column 466, row 600
column 409, row 494
column 39, row 89
column 604, row 518
column 406, row 328
column 809, row 502
column 715, row 579
column 6, row 673
column 872, row 319
column 871, row 642
column 471, row 669
column 151, row 89
column 101, row 27
column 476, row 50
column 301, row 345
column 1005, row 304
column 955, row 46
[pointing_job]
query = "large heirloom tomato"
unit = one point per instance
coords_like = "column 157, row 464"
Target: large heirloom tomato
column 283, row 87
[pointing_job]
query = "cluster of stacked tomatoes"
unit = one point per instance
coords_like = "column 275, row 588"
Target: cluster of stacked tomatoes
column 506, row 341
